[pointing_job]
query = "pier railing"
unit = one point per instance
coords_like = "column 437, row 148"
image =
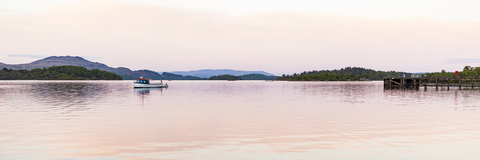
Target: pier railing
column 432, row 81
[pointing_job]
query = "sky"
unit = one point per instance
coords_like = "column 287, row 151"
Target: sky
column 276, row 36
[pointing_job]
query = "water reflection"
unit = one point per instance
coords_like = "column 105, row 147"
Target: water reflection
column 237, row 120
column 60, row 97
column 146, row 91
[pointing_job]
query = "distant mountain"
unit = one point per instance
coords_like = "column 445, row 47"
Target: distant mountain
column 58, row 73
column 126, row 73
column 206, row 73
column 58, row 61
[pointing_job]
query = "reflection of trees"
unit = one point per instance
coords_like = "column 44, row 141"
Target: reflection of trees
column 248, row 117
column 352, row 92
column 65, row 97
column 4, row 97
column 470, row 99
column 466, row 98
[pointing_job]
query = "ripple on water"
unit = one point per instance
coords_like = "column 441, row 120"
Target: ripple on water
column 241, row 119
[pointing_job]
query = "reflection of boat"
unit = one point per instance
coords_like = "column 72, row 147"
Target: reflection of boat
column 142, row 91
column 146, row 91
column 145, row 83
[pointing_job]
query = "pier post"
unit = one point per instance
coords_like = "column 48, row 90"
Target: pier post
column 436, row 83
column 401, row 83
column 414, row 83
column 459, row 83
column 390, row 84
column 472, row 83
column 425, row 83
column 384, row 83
column 448, row 84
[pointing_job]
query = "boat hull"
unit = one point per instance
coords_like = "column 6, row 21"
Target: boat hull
column 157, row 85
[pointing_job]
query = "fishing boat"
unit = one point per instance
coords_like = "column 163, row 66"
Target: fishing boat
column 145, row 83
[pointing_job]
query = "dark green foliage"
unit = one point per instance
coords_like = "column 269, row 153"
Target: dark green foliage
column 257, row 77
column 126, row 73
column 468, row 72
column 58, row 73
column 225, row 77
column 344, row 74
column 171, row 76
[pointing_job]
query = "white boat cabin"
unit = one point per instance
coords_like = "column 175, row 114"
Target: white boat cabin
column 143, row 81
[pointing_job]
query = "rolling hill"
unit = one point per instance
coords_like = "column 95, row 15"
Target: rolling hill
column 126, row 73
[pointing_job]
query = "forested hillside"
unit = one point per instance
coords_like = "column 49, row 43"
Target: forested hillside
column 468, row 72
column 257, row 77
column 58, row 73
column 225, row 77
column 344, row 74
column 126, row 73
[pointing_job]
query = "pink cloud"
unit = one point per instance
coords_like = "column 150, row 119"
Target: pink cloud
column 165, row 39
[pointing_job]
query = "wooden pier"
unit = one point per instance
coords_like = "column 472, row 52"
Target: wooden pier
column 437, row 82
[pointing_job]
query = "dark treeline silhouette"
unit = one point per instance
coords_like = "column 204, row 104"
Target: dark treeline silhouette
column 257, row 77
column 167, row 75
column 344, row 74
column 225, row 77
column 58, row 73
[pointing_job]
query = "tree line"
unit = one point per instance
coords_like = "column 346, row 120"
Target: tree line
column 225, row 77
column 58, row 73
column 344, row 74
column 468, row 72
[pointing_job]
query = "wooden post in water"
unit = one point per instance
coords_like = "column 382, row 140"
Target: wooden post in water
column 448, row 84
column 403, row 83
column 384, row 83
column 425, row 83
column 459, row 83
column 390, row 84
column 472, row 83
column 418, row 84
column 414, row 83
column 436, row 83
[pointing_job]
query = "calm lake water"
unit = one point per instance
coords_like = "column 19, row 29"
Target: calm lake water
column 210, row 120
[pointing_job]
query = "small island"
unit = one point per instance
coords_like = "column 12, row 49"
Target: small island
column 225, row 77
column 58, row 73
column 344, row 74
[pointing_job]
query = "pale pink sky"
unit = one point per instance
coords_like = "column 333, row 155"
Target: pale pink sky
column 273, row 36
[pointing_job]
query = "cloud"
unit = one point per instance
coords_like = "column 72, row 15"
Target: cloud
column 28, row 56
column 167, row 39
